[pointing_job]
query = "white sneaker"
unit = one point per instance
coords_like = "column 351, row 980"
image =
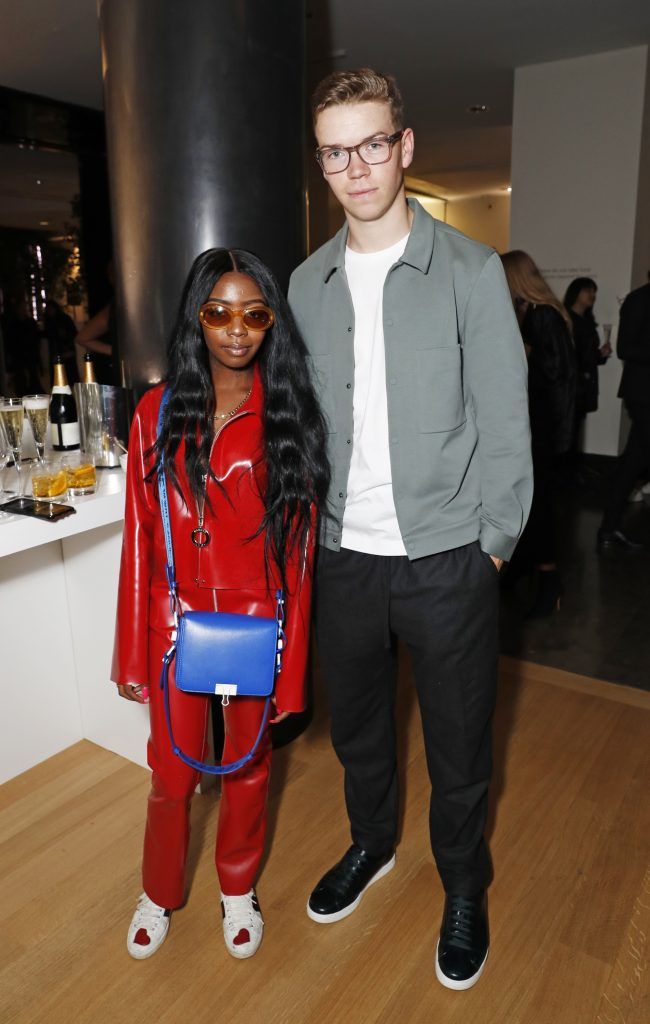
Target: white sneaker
column 243, row 924
column 148, row 929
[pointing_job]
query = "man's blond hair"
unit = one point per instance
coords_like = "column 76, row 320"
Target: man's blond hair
column 360, row 86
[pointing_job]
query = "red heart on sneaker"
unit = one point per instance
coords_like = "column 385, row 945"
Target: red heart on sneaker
column 242, row 937
column 142, row 937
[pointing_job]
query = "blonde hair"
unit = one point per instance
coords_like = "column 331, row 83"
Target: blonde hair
column 360, row 86
column 527, row 283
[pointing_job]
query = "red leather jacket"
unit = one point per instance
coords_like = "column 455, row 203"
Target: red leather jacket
column 231, row 561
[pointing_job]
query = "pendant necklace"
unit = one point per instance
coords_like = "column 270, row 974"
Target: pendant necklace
column 227, row 415
column 200, row 536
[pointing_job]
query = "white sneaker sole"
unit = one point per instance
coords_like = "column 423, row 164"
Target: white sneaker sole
column 340, row 914
column 143, row 952
column 459, row 986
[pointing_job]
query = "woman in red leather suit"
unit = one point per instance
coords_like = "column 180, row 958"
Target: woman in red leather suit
column 244, row 447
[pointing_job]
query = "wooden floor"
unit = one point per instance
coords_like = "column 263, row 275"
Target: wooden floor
column 570, row 906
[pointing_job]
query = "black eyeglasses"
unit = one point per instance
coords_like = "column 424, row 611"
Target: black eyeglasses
column 377, row 149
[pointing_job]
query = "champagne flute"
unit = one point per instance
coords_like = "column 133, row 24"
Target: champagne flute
column 4, row 453
column 12, row 416
column 36, row 407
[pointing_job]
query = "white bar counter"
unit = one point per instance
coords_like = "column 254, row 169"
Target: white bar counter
column 58, row 592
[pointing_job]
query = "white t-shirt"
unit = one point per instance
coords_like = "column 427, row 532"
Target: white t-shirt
column 369, row 521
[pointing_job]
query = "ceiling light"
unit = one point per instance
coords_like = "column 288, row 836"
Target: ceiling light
column 478, row 108
column 39, row 181
column 44, row 223
column 507, row 188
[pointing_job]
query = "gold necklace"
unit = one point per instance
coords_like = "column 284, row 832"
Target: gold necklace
column 227, row 415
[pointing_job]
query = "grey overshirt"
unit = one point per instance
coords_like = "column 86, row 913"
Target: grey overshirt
column 456, row 372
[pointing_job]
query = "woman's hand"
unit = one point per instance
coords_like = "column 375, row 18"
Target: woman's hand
column 280, row 716
column 138, row 692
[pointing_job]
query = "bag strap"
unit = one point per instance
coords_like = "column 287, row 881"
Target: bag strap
column 211, row 769
column 170, row 569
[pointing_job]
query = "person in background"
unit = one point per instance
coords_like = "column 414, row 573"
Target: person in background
column 546, row 330
column 99, row 336
column 633, row 347
column 590, row 351
column 60, row 332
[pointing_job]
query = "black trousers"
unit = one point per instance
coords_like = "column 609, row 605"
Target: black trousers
column 445, row 609
column 633, row 461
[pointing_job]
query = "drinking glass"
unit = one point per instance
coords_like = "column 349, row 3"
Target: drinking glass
column 37, row 408
column 49, row 480
column 80, row 473
column 4, row 453
column 12, row 417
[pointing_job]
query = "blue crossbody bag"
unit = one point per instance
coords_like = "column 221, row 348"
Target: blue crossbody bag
column 217, row 652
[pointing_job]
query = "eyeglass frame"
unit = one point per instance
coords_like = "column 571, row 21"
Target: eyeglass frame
column 390, row 139
column 236, row 310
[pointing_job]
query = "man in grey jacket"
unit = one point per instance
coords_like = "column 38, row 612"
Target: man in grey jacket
column 422, row 378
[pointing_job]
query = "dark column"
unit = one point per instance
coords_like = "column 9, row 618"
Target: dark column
column 204, row 106
column 96, row 244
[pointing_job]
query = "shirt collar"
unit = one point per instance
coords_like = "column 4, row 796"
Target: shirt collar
column 419, row 247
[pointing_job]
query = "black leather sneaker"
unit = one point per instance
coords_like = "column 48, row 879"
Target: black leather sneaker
column 464, row 941
column 339, row 892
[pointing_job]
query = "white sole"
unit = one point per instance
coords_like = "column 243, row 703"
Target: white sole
column 339, row 915
column 459, row 986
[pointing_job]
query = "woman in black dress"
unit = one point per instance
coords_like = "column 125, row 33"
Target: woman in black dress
column 547, row 334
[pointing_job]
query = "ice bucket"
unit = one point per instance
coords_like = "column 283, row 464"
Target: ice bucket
column 105, row 414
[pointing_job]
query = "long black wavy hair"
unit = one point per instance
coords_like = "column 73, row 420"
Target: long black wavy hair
column 294, row 449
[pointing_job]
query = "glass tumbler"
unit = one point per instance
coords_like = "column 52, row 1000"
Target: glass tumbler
column 81, row 476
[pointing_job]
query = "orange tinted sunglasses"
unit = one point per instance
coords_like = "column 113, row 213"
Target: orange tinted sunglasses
column 255, row 318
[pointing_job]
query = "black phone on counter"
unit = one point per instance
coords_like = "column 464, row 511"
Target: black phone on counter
column 50, row 511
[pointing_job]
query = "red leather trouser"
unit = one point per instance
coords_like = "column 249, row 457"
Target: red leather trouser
column 242, row 813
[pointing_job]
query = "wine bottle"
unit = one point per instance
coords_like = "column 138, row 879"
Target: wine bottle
column 64, row 425
column 89, row 369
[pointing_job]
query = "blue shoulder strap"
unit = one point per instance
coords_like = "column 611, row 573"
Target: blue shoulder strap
column 164, row 511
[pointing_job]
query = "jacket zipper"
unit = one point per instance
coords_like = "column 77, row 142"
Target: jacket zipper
column 200, row 507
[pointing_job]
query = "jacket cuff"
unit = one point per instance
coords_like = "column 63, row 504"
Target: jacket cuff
column 495, row 542
column 291, row 697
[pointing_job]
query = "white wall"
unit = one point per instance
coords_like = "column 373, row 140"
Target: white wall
column 641, row 261
column 436, row 207
column 577, row 137
column 484, row 218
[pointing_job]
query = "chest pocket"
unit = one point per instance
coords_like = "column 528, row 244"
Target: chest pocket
column 440, row 404
column 323, row 382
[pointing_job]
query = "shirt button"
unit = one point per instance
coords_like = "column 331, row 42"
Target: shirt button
column 340, row 494
column 349, row 440
column 349, row 330
column 335, row 540
column 348, row 385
